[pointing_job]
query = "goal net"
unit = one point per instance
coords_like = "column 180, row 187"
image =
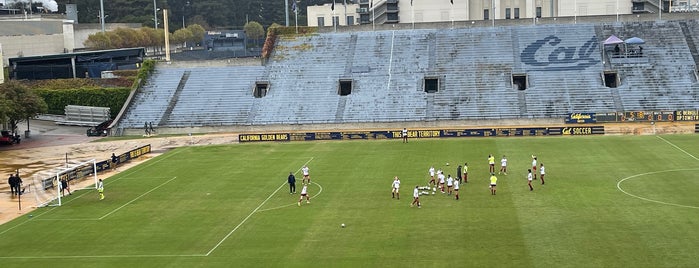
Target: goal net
column 46, row 185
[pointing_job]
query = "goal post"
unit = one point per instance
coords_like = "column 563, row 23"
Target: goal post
column 46, row 185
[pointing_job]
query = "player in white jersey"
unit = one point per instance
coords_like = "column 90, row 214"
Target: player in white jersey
column 304, row 193
column 441, row 181
column 432, row 182
column 404, row 134
column 396, row 188
column 456, row 189
column 100, row 189
column 534, row 165
column 450, row 183
column 529, row 180
column 542, row 172
column 503, row 165
column 416, row 197
column 306, row 174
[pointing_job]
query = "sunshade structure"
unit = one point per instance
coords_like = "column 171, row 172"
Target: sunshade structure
column 612, row 40
column 634, row 41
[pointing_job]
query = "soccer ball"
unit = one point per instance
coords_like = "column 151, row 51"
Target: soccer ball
column 342, row 225
column 447, row 164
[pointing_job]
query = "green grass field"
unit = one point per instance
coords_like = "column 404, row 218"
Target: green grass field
column 615, row 201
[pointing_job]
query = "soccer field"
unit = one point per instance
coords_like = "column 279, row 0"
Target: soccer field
column 612, row 201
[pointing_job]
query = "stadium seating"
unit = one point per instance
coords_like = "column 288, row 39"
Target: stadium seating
column 563, row 65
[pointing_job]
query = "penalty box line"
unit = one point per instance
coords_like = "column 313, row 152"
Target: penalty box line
column 253, row 212
column 678, row 148
column 126, row 173
column 113, row 211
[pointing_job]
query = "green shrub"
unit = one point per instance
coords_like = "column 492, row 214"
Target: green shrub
column 57, row 100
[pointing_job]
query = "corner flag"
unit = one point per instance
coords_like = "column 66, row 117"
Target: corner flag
column 293, row 6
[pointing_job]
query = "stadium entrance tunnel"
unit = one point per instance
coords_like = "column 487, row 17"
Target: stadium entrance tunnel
column 261, row 88
column 611, row 79
column 345, row 87
column 431, row 84
column 519, row 81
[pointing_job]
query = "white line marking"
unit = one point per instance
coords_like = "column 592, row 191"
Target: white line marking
column 288, row 205
column 101, row 256
column 253, row 212
column 678, row 148
column 132, row 200
column 618, row 186
column 22, row 223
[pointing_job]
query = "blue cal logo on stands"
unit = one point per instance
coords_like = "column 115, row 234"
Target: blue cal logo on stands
column 551, row 55
column 573, row 118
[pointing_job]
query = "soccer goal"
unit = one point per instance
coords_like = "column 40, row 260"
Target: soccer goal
column 46, row 185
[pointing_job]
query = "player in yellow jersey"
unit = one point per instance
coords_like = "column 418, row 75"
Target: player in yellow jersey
column 100, row 189
column 491, row 163
column 493, row 183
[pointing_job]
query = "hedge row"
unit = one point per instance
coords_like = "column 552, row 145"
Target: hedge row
column 57, row 100
column 60, row 93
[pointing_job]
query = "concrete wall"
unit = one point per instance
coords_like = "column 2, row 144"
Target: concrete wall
column 353, row 126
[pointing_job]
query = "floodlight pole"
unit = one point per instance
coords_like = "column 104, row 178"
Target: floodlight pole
column 167, row 36
column 286, row 11
column 102, row 14
column 155, row 14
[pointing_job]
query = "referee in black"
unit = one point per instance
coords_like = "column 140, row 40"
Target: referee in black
column 292, row 183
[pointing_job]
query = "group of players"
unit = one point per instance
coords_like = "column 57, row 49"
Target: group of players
column 439, row 181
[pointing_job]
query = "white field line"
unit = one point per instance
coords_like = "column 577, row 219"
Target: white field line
column 102, row 256
column 129, row 171
column 678, row 148
column 288, row 205
column 618, row 186
column 132, row 200
column 253, row 212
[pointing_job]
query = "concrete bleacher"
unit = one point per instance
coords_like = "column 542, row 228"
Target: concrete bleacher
column 215, row 96
column 567, row 74
column 150, row 103
column 564, row 66
column 667, row 82
column 303, row 75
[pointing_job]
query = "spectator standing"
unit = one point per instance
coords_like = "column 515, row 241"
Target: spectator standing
column 115, row 161
column 292, row 183
column 64, row 187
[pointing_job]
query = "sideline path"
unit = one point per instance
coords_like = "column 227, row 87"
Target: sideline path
column 49, row 145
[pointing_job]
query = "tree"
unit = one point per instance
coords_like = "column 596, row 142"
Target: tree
column 181, row 36
column 98, row 41
column 197, row 33
column 254, row 31
column 18, row 102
